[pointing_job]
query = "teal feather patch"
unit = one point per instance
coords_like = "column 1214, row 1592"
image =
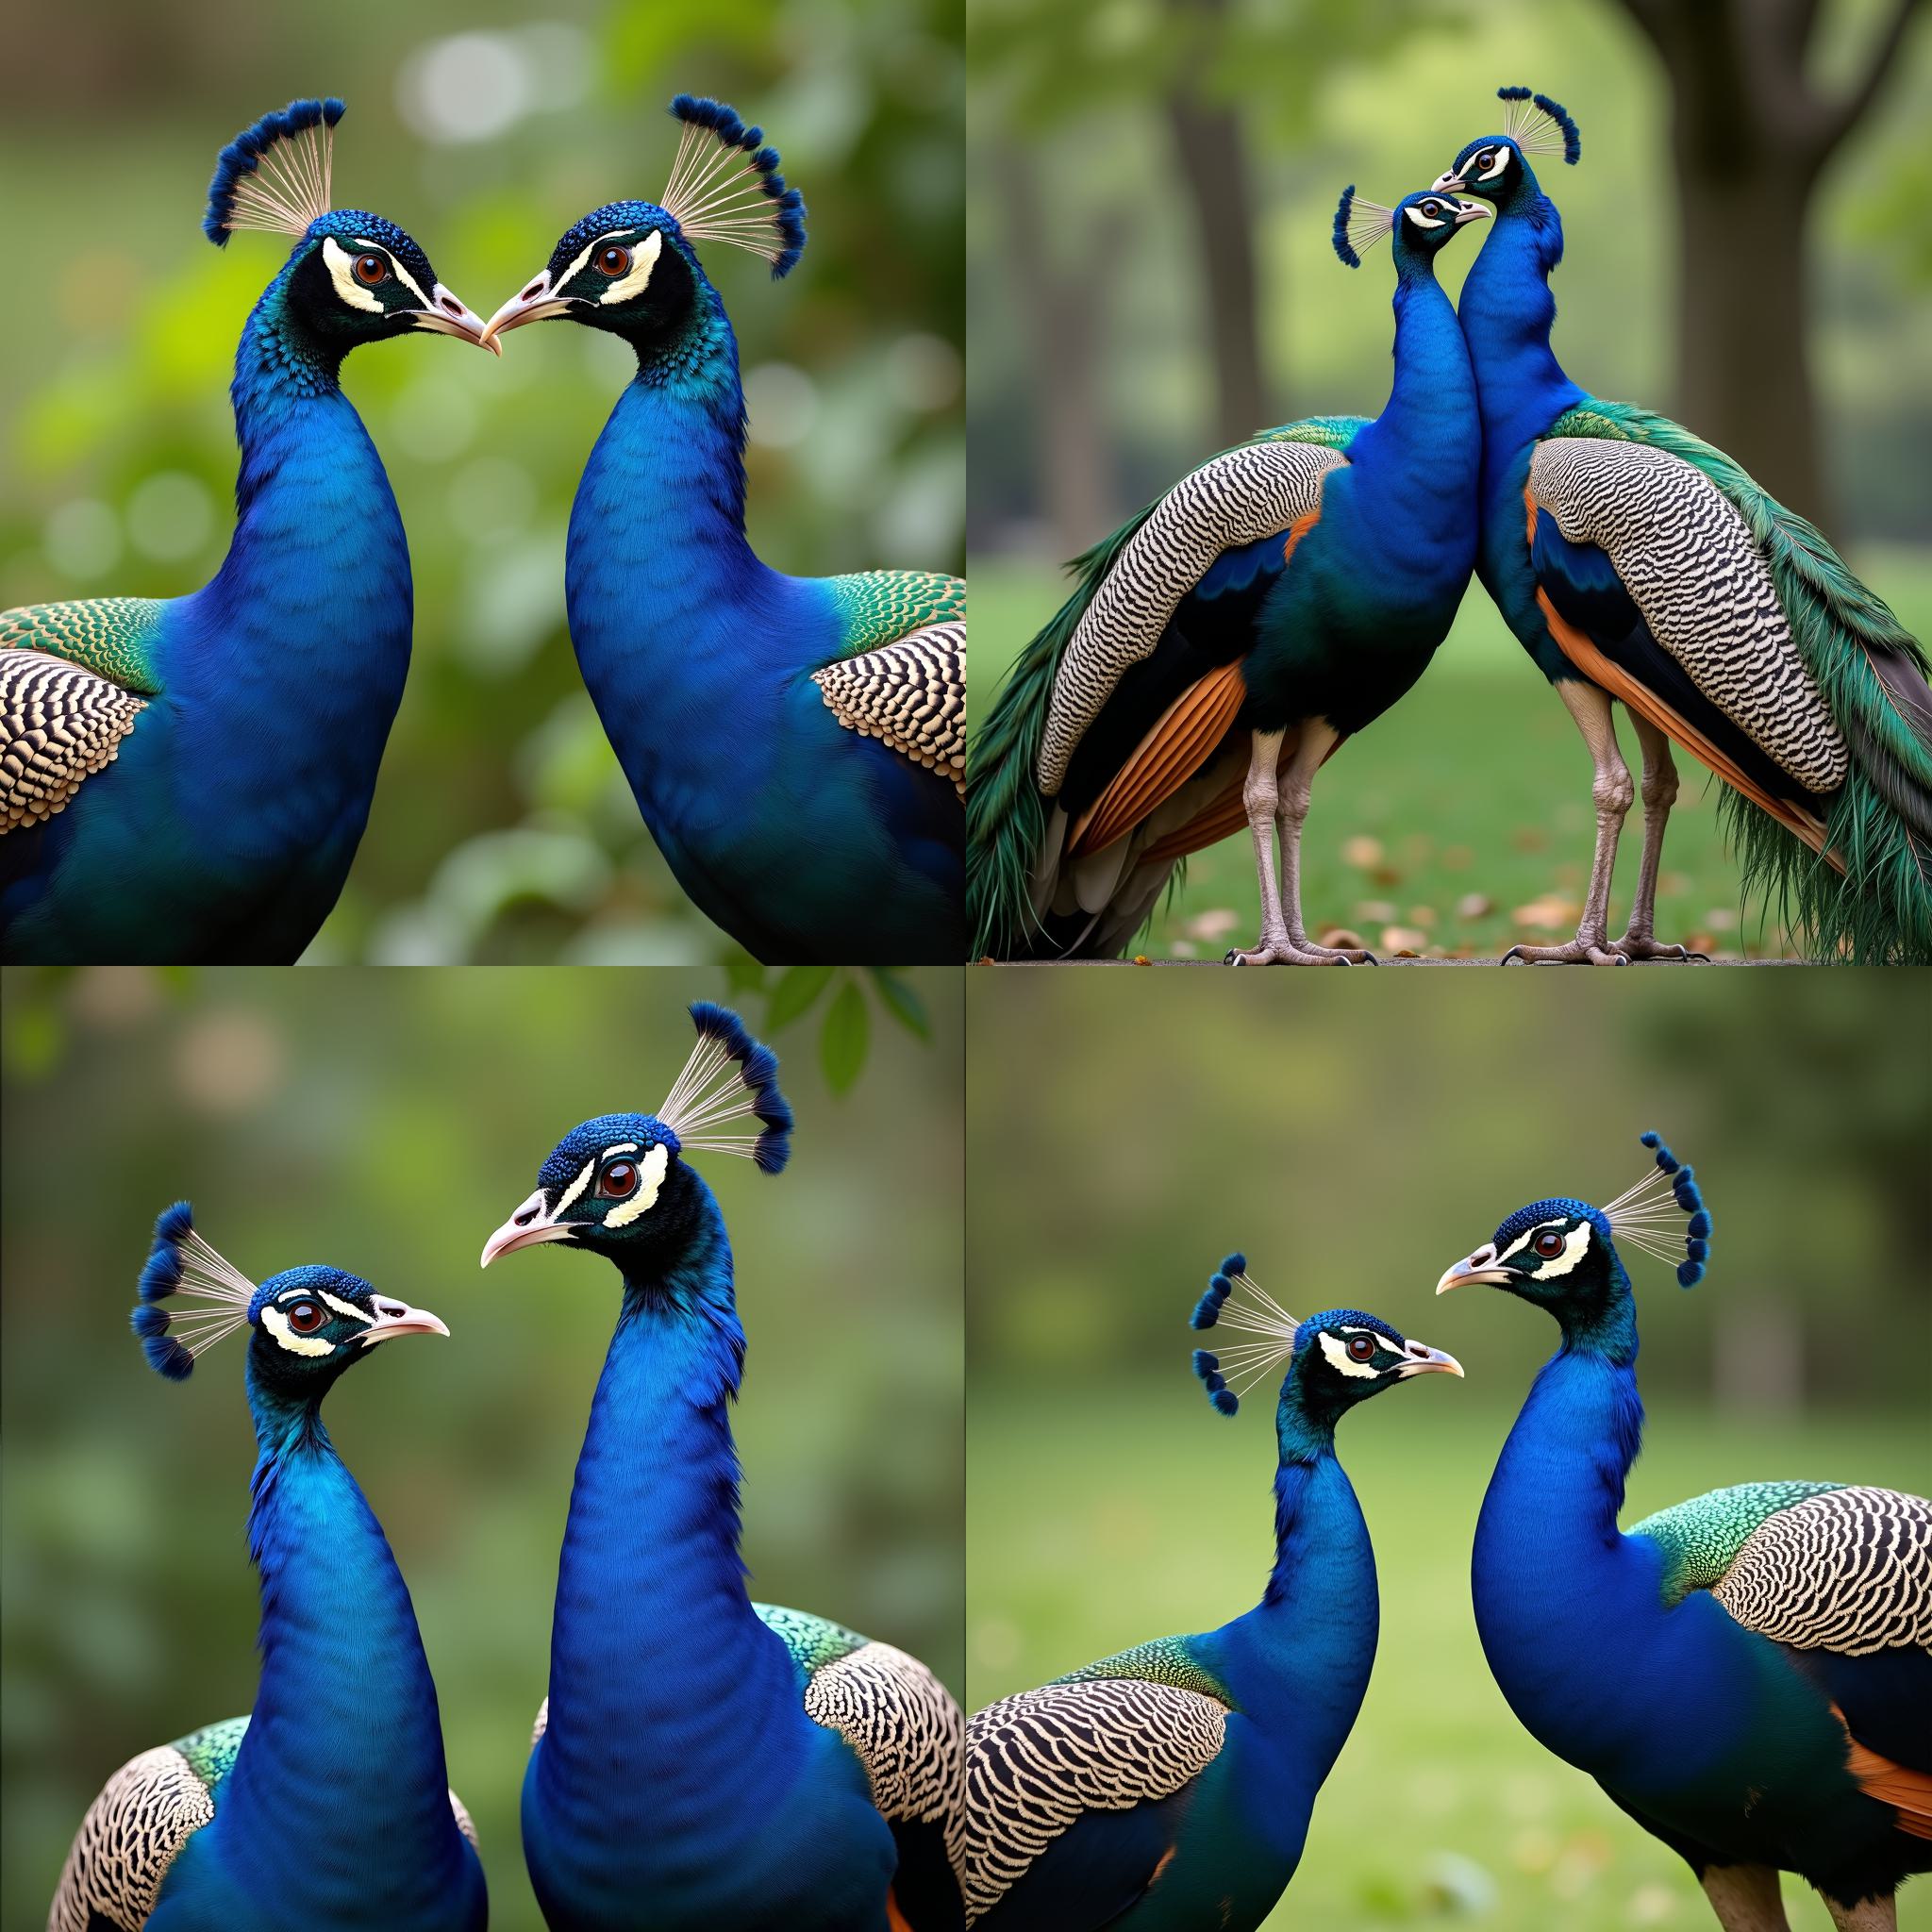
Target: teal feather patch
column 1700, row 1540
column 1005, row 816
column 1878, row 911
column 879, row 607
column 1160, row 1660
column 212, row 1751
column 113, row 635
column 813, row 1642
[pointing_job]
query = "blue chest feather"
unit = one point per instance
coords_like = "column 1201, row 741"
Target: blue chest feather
column 802, row 839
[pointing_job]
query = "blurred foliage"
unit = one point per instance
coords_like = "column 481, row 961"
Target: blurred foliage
column 1383, row 95
column 1408, row 862
column 385, row 1124
column 1355, row 1137
column 501, row 829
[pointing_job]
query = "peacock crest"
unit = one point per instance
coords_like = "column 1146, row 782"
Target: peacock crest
column 277, row 175
column 725, row 186
column 1540, row 126
column 1235, row 1300
column 1646, row 1216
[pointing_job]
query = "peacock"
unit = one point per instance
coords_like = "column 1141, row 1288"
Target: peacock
column 797, row 745
column 327, row 1807
column 1169, row 1788
column 1747, row 1674
column 738, row 1765
column 1220, row 645
column 187, row 779
column 1634, row 561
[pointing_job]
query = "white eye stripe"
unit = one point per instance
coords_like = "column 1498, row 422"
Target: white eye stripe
column 401, row 273
column 576, row 1188
column 622, row 1147
column 341, row 269
column 322, row 1294
column 1496, row 166
column 1524, row 1240
column 651, row 1170
column 644, row 261
column 1339, row 1357
column 1420, row 220
column 277, row 1325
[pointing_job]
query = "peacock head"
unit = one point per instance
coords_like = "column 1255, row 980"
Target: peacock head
column 353, row 276
column 1335, row 1359
column 1421, row 224
column 630, row 267
column 1561, row 1254
column 1497, row 166
column 308, row 1323
column 620, row 1185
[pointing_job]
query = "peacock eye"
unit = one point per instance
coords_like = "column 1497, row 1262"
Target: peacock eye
column 305, row 1318
column 619, row 1180
column 613, row 260
column 1432, row 207
column 1549, row 1245
column 1360, row 1347
column 371, row 269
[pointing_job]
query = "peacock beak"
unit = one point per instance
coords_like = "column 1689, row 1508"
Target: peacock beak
column 1446, row 184
column 1479, row 1269
column 451, row 316
column 398, row 1318
column 1471, row 211
column 1424, row 1361
column 531, row 1223
column 536, row 304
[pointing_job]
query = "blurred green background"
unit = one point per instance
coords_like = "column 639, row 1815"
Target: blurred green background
column 1123, row 1133
column 311, row 1120
column 502, row 828
column 1150, row 189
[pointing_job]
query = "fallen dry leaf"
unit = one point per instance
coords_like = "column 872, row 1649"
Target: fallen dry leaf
column 1215, row 924
column 1362, row 852
column 1548, row 915
column 1475, row 905
column 1374, row 911
column 1529, row 838
column 1456, row 859
column 1421, row 915
column 1337, row 936
column 1404, row 940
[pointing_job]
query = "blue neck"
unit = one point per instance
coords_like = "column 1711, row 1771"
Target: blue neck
column 312, row 606
column 1507, row 314
column 1298, row 1663
column 669, row 1697
column 345, row 1703
column 662, row 497
column 1414, row 467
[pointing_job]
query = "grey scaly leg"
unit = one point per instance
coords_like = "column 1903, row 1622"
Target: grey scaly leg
column 1612, row 791
column 1659, row 790
column 1282, row 801
column 1745, row 1898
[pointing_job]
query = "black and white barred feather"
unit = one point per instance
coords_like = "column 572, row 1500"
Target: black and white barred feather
column 1256, row 491
column 907, row 1733
column 910, row 694
column 1688, row 563
column 1848, row 1571
column 1037, row 1761
column 59, row 723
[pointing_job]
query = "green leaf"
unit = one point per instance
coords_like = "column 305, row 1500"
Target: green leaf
column 902, row 1001
column 797, row 987
column 844, row 1038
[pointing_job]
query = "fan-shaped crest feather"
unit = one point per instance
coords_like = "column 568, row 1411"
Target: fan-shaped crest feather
column 1644, row 1216
column 725, row 186
column 1359, row 224
column 276, row 175
column 1543, row 126
column 1260, row 1314
column 183, row 1263
column 709, row 1093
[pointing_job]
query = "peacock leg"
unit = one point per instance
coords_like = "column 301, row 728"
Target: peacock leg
column 1745, row 1898
column 1659, row 790
column 1273, row 797
column 1868, row 1915
column 1612, row 791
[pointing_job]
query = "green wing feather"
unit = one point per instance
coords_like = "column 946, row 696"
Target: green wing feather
column 1162, row 1660
column 813, row 1642
column 879, row 607
column 212, row 1751
column 112, row 636
column 1701, row 1539
column 1873, row 674
column 1005, row 816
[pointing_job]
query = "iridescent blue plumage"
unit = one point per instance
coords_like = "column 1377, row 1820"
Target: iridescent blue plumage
column 1738, row 1725
column 789, row 816
column 239, row 1827
column 255, row 709
column 682, row 1759
column 1170, row 1786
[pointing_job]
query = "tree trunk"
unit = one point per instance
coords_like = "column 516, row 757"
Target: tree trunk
column 1214, row 168
column 1743, row 367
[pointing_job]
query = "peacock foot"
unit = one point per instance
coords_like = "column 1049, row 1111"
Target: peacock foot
column 1576, row 952
column 1641, row 946
column 1283, row 951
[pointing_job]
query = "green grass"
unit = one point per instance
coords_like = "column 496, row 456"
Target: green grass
column 1099, row 1517
column 1461, row 821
